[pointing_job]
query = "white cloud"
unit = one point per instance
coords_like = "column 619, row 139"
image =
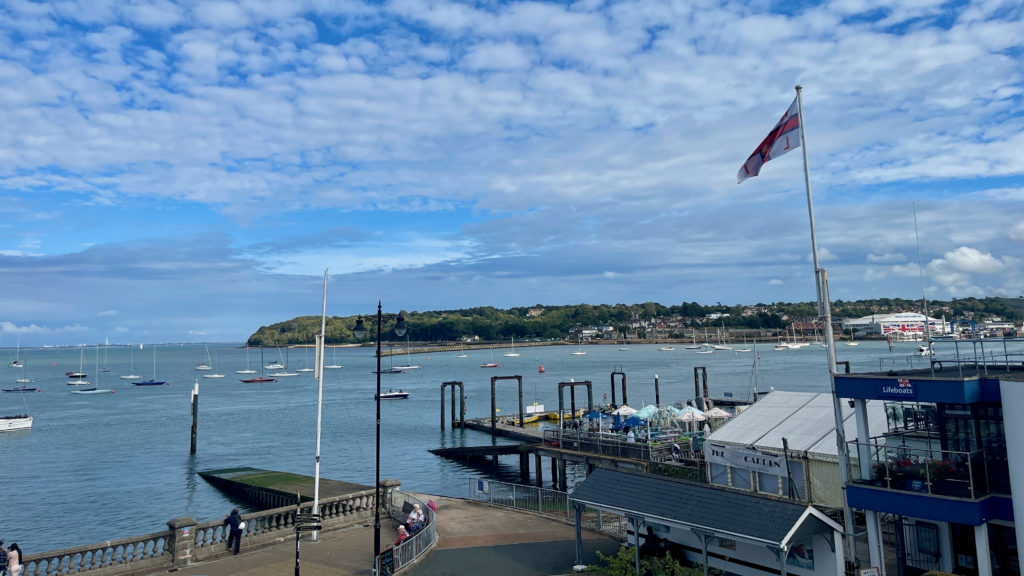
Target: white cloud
column 501, row 139
column 1017, row 231
column 969, row 260
column 887, row 258
column 219, row 14
column 872, row 274
column 491, row 56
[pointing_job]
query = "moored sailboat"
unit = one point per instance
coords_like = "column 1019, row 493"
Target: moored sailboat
column 261, row 377
column 247, row 370
column 153, row 381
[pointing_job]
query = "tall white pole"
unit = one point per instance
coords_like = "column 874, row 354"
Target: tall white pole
column 319, row 374
column 825, row 310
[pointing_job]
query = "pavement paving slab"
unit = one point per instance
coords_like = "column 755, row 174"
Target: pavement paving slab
column 474, row 539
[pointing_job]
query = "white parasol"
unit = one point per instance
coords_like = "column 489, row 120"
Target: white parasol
column 624, row 411
column 717, row 413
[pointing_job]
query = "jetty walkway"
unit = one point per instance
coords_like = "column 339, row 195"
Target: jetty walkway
column 473, row 538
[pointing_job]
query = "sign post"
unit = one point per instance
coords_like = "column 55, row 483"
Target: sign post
column 304, row 523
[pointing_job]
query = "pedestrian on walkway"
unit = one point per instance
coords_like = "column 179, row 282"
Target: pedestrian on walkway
column 14, row 559
column 236, row 525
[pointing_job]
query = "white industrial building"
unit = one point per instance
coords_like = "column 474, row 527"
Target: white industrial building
column 747, row 453
column 899, row 326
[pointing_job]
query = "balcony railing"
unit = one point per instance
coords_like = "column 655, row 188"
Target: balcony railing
column 933, row 471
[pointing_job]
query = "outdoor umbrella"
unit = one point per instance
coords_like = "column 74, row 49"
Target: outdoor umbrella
column 624, row 411
column 596, row 414
column 690, row 414
column 717, row 413
column 633, row 421
column 647, row 411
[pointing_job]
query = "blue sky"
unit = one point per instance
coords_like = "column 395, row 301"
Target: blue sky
column 185, row 171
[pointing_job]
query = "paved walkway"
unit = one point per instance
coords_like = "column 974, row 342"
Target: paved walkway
column 473, row 539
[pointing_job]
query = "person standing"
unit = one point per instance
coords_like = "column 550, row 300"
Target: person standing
column 235, row 526
column 14, row 559
column 3, row 559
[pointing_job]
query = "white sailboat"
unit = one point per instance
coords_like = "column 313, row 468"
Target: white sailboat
column 334, row 360
column 212, row 364
column 851, row 341
column 492, row 363
column 744, row 348
column 106, row 347
column 133, row 375
column 78, row 378
column 275, row 365
column 408, row 356
column 721, row 340
column 95, row 389
column 306, row 368
column 513, row 353
column 694, row 346
column 247, row 369
column 16, row 363
column 205, row 365
column 579, row 348
column 24, row 378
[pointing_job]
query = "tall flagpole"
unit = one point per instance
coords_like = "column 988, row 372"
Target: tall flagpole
column 825, row 312
column 319, row 375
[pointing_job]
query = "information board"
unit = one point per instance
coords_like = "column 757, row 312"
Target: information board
column 387, row 562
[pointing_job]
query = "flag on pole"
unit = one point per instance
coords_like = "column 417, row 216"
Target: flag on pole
column 782, row 138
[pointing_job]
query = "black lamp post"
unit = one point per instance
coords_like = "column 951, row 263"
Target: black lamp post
column 359, row 332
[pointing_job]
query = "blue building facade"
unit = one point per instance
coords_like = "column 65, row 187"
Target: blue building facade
column 939, row 482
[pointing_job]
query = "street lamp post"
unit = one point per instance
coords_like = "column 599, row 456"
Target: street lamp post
column 359, row 332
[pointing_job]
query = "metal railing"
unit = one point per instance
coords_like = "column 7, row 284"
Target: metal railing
column 659, row 448
column 418, row 543
column 931, row 471
column 546, row 502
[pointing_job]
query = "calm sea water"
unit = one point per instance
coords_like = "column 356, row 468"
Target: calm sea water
column 108, row 466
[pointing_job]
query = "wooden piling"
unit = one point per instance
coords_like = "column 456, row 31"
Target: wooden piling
column 195, row 417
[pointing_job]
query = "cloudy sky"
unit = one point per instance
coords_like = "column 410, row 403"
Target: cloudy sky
column 185, row 171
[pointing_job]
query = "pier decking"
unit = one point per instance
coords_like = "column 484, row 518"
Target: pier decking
column 271, row 489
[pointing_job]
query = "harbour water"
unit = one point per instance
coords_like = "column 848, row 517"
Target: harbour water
column 101, row 467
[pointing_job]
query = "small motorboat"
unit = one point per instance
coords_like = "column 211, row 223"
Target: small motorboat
column 394, row 395
column 259, row 379
column 491, row 365
column 12, row 423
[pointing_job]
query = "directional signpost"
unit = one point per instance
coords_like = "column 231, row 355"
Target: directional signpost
column 304, row 523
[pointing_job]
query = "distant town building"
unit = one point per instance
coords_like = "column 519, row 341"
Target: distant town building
column 901, row 325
